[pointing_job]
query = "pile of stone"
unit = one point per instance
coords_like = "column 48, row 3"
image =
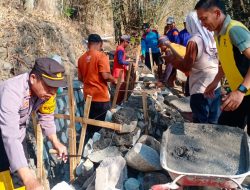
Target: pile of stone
column 128, row 160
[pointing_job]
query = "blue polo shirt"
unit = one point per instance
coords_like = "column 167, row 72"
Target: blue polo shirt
column 150, row 40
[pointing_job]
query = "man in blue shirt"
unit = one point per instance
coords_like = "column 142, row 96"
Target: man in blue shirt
column 172, row 33
column 150, row 40
column 184, row 35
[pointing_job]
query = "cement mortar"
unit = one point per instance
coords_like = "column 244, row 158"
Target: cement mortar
column 206, row 149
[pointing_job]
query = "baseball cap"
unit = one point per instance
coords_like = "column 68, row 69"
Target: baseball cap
column 51, row 72
column 125, row 38
column 170, row 20
column 94, row 38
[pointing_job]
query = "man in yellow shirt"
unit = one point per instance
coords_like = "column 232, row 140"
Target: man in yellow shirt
column 233, row 44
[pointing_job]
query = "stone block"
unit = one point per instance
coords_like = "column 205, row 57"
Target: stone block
column 143, row 158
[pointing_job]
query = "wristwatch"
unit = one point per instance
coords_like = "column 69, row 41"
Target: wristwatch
column 242, row 88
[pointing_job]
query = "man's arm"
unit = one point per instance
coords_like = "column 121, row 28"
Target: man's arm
column 247, row 53
column 80, row 78
column 185, row 64
column 29, row 180
column 209, row 92
column 120, row 55
column 108, row 77
column 240, row 37
column 104, row 69
column 46, row 120
column 49, row 129
column 246, row 81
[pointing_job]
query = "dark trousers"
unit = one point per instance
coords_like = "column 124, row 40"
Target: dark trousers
column 205, row 110
column 157, row 59
column 239, row 117
column 4, row 162
column 186, row 88
column 98, row 111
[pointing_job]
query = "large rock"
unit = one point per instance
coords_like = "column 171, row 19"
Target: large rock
column 100, row 155
column 143, row 158
column 111, row 174
column 151, row 142
column 110, row 138
column 127, row 117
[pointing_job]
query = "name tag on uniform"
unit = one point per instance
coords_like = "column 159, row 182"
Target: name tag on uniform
column 24, row 109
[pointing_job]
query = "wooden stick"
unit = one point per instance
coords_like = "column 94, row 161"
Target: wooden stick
column 103, row 124
column 72, row 136
column 54, row 151
column 145, row 109
column 39, row 142
column 34, row 121
column 71, row 159
column 84, row 126
column 118, row 85
column 127, row 82
column 151, row 60
column 137, row 61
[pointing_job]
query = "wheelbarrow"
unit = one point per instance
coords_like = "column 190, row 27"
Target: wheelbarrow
column 184, row 178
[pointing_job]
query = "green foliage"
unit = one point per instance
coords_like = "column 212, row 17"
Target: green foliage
column 239, row 10
column 69, row 11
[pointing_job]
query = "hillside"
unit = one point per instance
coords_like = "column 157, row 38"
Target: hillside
column 29, row 30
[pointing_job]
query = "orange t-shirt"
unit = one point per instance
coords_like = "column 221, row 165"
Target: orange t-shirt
column 90, row 66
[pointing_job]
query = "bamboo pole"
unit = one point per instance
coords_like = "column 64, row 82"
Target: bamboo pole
column 84, row 126
column 103, row 124
column 71, row 159
column 151, row 60
column 127, row 82
column 118, row 85
column 137, row 57
column 72, row 132
column 34, row 121
column 136, row 63
column 39, row 141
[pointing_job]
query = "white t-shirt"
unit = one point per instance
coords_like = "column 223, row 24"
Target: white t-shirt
column 204, row 69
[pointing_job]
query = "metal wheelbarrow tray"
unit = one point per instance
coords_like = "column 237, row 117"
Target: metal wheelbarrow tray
column 205, row 155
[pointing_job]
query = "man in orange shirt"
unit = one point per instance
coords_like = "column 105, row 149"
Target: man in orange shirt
column 94, row 72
